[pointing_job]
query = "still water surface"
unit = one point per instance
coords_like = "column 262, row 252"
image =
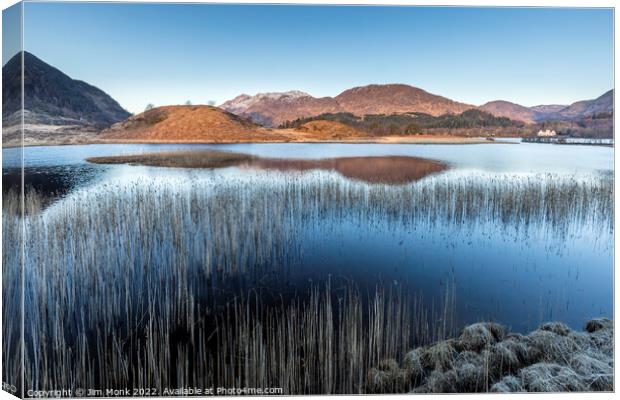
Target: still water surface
column 511, row 272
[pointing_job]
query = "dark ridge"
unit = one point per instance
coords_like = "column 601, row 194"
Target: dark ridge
column 51, row 97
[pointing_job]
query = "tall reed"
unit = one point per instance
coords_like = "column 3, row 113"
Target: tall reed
column 152, row 284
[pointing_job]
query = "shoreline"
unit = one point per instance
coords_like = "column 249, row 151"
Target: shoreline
column 422, row 139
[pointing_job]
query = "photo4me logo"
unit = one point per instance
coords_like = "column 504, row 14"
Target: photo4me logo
column 249, row 391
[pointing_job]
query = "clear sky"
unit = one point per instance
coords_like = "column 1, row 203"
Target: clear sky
column 11, row 31
column 170, row 53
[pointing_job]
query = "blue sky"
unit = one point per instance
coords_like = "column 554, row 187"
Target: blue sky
column 11, row 32
column 170, row 53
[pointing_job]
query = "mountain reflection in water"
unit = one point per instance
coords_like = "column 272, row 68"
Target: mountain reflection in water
column 376, row 169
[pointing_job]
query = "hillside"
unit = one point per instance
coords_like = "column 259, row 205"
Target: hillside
column 198, row 123
column 470, row 122
column 587, row 118
column 510, row 110
column 53, row 98
column 396, row 98
column 548, row 108
column 206, row 124
column 579, row 110
column 325, row 129
column 287, row 108
column 272, row 109
column 587, row 108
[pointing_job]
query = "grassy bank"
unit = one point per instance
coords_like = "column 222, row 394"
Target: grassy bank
column 553, row 358
column 284, row 136
column 178, row 159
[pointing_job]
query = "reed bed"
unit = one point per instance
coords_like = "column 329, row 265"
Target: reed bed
column 12, row 235
column 324, row 341
column 178, row 159
column 153, row 283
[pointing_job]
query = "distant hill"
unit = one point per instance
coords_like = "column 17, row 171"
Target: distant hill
column 473, row 122
column 595, row 126
column 587, row 118
column 276, row 109
column 548, row 108
column 586, row 108
column 510, row 110
column 553, row 112
column 396, row 98
column 272, row 109
column 199, row 123
column 53, row 98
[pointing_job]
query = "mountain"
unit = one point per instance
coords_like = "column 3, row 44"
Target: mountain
column 243, row 102
column 277, row 109
column 501, row 108
column 396, row 98
column 576, row 111
column 548, row 108
column 199, row 123
column 272, row 109
column 585, row 108
column 53, row 98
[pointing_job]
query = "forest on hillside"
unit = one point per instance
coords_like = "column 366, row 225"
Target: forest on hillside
column 600, row 125
column 469, row 122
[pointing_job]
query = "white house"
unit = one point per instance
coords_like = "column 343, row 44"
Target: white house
column 546, row 132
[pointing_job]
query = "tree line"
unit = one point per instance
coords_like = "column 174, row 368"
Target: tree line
column 412, row 123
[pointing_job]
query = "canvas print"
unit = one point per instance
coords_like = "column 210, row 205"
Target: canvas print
column 233, row 199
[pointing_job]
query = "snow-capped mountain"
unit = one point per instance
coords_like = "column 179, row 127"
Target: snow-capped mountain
column 271, row 109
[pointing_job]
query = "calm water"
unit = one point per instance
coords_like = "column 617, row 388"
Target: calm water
column 513, row 272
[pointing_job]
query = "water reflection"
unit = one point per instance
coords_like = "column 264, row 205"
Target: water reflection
column 52, row 181
column 387, row 170
column 383, row 170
